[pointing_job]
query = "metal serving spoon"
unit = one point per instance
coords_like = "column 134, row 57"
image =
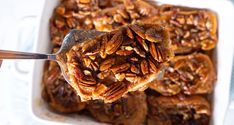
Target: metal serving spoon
column 72, row 38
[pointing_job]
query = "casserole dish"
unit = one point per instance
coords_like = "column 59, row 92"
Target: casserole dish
column 223, row 56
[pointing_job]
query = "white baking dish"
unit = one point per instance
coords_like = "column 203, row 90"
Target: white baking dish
column 225, row 12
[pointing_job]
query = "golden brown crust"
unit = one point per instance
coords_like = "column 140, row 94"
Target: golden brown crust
column 191, row 74
column 175, row 110
column 128, row 110
column 106, row 61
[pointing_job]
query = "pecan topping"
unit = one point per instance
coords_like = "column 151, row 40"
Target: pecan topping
column 192, row 74
column 125, row 66
column 190, row 29
column 76, row 14
column 128, row 13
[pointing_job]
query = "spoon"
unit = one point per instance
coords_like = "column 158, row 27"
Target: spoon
column 72, row 38
column 107, row 65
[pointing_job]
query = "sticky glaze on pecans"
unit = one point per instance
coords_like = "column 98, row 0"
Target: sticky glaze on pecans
column 120, row 61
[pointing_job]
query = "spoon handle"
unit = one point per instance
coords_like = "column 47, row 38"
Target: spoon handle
column 6, row 54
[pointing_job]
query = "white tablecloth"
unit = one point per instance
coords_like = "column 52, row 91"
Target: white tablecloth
column 17, row 25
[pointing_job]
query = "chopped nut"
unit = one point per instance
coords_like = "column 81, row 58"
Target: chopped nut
column 120, row 76
column 60, row 10
column 135, row 69
column 59, row 23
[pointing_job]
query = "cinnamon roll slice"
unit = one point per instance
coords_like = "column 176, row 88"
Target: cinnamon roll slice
column 128, row 110
column 175, row 110
column 75, row 14
column 191, row 74
column 130, row 12
column 190, row 29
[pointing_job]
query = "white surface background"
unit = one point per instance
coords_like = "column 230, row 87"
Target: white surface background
column 17, row 26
